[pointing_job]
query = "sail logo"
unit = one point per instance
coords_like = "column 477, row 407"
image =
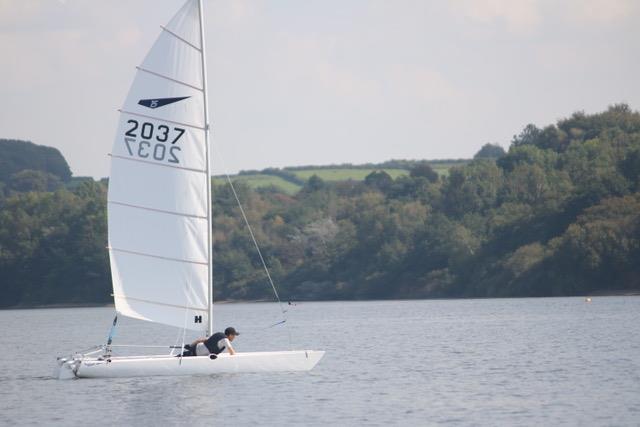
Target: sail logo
column 197, row 319
column 160, row 102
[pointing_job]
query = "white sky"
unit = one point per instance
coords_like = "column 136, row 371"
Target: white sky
column 296, row 82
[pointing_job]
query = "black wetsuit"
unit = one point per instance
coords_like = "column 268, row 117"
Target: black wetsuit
column 212, row 343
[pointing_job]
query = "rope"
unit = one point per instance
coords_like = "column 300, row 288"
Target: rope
column 95, row 349
column 184, row 329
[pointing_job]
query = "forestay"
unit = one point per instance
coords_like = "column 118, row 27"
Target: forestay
column 157, row 205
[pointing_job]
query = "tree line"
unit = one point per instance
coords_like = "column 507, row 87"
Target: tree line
column 557, row 214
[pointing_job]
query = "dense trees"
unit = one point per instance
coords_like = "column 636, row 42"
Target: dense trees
column 32, row 180
column 558, row 214
column 423, row 170
column 490, row 151
column 52, row 247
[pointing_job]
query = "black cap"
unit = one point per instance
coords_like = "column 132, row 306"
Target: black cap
column 231, row 331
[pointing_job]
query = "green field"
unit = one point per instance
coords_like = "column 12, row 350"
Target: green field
column 261, row 181
column 344, row 174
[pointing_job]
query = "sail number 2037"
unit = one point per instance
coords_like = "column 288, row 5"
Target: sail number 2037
column 157, row 142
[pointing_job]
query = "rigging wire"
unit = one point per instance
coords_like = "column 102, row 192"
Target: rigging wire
column 255, row 243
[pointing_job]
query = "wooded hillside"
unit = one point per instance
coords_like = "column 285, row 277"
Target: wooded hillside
column 558, row 214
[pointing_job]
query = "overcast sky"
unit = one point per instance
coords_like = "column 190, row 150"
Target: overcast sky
column 296, row 82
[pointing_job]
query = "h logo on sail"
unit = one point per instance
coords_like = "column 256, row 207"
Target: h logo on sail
column 197, row 319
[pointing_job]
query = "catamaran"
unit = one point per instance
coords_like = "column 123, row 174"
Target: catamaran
column 159, row 215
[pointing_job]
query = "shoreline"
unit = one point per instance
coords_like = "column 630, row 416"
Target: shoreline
column 97, row 305
column 625, row 293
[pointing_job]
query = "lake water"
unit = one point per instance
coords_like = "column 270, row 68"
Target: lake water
column 550, row 361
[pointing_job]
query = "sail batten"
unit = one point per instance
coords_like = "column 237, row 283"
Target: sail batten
column 158, row 210
column 162, row 76
column 180, row 38
column 156, row 164
column 161, row 303
column 187, row 261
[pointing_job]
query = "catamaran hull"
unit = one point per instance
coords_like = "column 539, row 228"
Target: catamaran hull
column 124, row 367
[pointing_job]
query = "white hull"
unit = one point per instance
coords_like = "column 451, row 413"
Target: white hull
column 143, row 366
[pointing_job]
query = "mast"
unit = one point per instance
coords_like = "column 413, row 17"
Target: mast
column 208, row 160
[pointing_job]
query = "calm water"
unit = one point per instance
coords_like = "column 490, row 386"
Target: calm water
column 470, row 362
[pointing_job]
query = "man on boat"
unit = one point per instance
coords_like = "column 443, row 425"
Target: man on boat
column 215, row 344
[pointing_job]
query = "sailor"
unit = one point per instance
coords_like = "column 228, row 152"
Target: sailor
column 215, row 344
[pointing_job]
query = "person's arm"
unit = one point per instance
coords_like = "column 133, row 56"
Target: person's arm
column 230, row 349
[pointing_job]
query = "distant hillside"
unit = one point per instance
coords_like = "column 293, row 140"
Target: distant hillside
column 17, row 156
column 292, row 179
column 558, row 214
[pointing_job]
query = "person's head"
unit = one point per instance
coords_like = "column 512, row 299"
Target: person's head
column 231, row 333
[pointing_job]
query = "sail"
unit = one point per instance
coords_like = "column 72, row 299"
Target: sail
column 157, row 203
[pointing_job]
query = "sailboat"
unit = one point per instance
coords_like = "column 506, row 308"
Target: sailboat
column 160, row 215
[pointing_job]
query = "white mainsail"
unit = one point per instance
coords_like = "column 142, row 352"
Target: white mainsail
column 159, row 194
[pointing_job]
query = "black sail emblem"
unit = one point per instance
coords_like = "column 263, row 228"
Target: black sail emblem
column 160, row 102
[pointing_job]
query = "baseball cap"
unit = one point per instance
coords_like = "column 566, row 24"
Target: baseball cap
column 231, row 331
